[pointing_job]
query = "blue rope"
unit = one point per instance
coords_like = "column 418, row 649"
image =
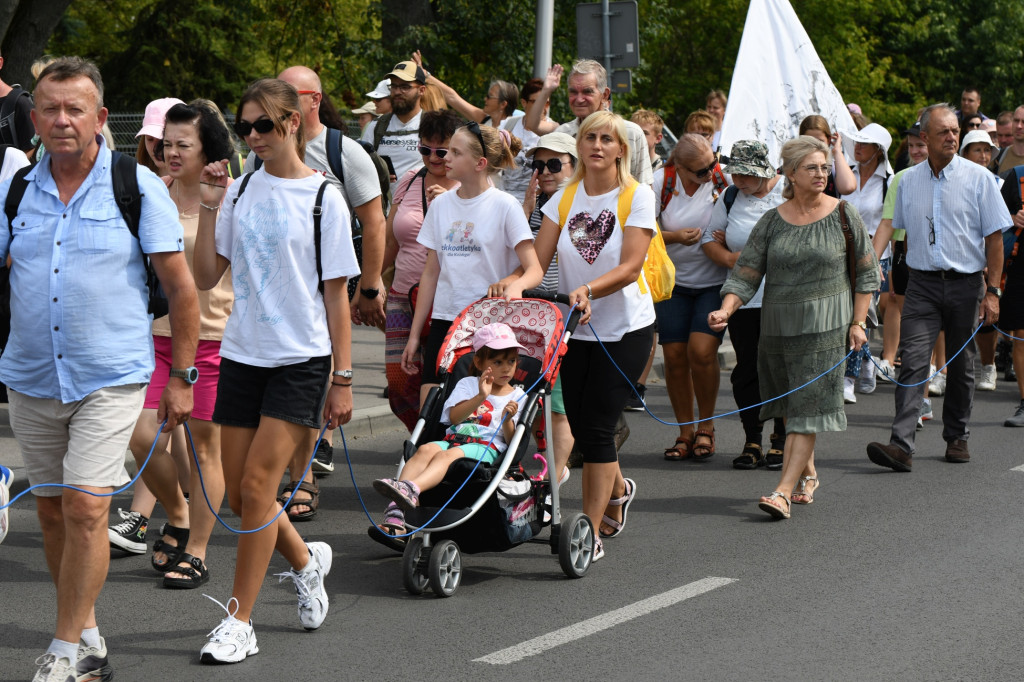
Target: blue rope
column 1007, row 335
column 939, row 370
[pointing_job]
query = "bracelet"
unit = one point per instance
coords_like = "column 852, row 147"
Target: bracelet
column 209, row 208
column 590, row 292
column 335, row 383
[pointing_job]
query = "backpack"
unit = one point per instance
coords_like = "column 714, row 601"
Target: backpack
column 318, row 210
column 1011, row 238
column 8, row 112
column 129, row 201
column 659, row 272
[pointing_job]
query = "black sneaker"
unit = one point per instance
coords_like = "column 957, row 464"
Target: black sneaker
column 323, row 461
column 636, row 403
column 130, row 534
column 93, row 665
column 773, row 459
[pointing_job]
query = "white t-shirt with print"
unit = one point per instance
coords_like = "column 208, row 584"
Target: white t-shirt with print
column 693, row 268
column 485, row 421
column 400, row 142
column 475, row 241
column 746, row 211
column 588, row 248
column 278, row 316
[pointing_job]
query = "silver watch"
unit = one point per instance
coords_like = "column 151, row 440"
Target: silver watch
column 343, row 373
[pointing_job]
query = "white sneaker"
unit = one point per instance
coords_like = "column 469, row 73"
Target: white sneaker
column 848, row 395
column 309, row 585
column 885, row 372
column 53, row 669
column 866, row 380
column 926, row 413
column 93, row 664
column 987, row 382
column 231, row 641
column 6, row 478
column 938, row 382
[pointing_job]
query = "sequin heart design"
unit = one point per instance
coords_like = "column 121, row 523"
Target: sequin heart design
column 588, row 235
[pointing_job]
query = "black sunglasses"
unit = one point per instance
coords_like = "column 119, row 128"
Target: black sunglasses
column 261, row 126
column 553, row 165
column 474, row 128
column 704, row 171
column 441, row 152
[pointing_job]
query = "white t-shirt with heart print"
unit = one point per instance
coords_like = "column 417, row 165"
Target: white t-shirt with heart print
column 589, row 245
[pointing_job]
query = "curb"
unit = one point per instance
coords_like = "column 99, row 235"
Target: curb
column 372, row 421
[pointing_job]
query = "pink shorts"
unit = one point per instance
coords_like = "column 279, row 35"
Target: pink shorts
column 204, row 393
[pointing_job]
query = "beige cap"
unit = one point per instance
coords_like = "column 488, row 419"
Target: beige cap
column 556, row 142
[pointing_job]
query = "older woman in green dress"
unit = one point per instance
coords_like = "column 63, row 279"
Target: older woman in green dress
column 809, row 320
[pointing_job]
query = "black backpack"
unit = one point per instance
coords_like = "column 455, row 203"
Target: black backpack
column 8, row 113
column 129, row 201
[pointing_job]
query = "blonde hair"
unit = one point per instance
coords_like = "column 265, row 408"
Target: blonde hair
column 719, row 95
column 643, row 117
column 793, row 154
column 500, row 147
column 278, row 100
column 701, row 120
column 690, row 147
column 432, row 99
column 597, row 121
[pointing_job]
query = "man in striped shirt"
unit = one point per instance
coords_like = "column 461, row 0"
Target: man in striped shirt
column 954, row 217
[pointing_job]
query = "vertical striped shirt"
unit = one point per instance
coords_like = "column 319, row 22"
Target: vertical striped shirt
column 948, row 216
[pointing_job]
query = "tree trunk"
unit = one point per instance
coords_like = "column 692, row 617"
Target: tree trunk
column 26, row 36
column 398, row 15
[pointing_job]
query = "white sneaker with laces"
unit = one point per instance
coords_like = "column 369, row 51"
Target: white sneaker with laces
column 987, row 382
column 866, row 380
column 938, row 383
column 309, row 585
column 885, row 372
column 93, row 664
column 849, row 397
column 231, row 641
column 926, row 413
column 53, row 669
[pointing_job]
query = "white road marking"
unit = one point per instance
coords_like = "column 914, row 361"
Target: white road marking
column 1020, row 468
column 592, row 626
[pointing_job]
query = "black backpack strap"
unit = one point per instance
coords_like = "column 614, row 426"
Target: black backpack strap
column 729, row 198
column 241, row 187
column 123, row 170
column 19, row 184
column 257, row 162
column 318, row 211
column 3, row 153
column 379, row 128
column 885, row 186
column 334, row 156
column 8, row 124
column 422, row 173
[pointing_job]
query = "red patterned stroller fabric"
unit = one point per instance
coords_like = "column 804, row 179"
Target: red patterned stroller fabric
column 537, row 325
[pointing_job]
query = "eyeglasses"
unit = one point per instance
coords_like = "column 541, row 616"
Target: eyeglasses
column 553, row 166
column 402, row 87
column 490, row 96
column 704, row 171
column 440, row 152
column 474, row 128
column 931, row 231
column 971, row 125
column 261, row 126
column 815, row 171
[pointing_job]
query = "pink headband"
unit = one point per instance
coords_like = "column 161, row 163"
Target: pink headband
column 506, row 136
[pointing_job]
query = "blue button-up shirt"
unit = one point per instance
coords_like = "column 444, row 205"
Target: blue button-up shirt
column 948, row 216
column 79, row 300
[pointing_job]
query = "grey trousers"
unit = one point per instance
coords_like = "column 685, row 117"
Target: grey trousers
column 935, row 304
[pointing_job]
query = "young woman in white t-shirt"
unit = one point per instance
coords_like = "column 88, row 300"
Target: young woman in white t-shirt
column 476, row 237
column 278, row 346
column 599, row 263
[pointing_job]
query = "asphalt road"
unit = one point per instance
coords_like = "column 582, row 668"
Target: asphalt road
column 885, row 577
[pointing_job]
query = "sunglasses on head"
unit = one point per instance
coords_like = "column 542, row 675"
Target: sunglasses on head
column 553, row 166
column 474, row 128
column 261, row 126
column 441, row 152
column 704, row 171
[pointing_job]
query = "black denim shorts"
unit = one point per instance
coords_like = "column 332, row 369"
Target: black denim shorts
column 291, row 393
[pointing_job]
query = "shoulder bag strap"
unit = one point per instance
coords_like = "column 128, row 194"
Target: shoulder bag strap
column 318, row 211
column 848, row 238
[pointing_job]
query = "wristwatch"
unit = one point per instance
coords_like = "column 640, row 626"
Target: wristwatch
column 859, row 323
column 369, row 293
column 343, row 373
column 190, row 374
column 995, row 291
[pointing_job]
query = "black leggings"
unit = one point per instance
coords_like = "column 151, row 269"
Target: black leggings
column 595, row 393
column 745, row 333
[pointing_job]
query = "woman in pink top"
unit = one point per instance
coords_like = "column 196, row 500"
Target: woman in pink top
column 415, row 190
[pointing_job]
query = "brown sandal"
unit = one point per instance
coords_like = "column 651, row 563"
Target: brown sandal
column 703, row 451
column 313, row 503
column 682, row 449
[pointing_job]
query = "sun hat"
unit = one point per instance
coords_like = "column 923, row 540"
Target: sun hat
column 872, row 133
column 382, row 91
column 497, row 336
column 368, row 108
column 749, row 157
column 976, row 136
column 561, row 143
column 153, row 119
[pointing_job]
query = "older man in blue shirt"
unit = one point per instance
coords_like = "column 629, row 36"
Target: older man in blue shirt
column 954, row 217
column 80, row 352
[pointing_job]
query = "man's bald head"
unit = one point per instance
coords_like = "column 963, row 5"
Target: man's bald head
column 306, row 81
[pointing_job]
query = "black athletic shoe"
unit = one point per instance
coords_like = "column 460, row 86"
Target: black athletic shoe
column 323, row 462
column 637, row 404
column 129, row 534
column 93, row 665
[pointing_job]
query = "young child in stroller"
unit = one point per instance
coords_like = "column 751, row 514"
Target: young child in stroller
column 481, row 411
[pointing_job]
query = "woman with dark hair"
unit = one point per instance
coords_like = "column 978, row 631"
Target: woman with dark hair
column 194, row 135
column 500, row 102
column 150, row 152
column 279, row 344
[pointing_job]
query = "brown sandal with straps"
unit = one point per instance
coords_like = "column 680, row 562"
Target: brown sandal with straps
column 683, row 449
column 704, row 451
column 312, row 503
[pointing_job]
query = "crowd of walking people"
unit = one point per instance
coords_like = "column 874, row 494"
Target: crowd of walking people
column 266, row 262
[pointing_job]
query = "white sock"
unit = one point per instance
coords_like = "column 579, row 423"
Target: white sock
column 309, row 565
column 91, row 637
column 62, row 649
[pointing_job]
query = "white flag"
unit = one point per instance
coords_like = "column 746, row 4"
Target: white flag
column 778, row 80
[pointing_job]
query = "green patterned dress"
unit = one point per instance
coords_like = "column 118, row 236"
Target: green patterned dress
column 806, row 314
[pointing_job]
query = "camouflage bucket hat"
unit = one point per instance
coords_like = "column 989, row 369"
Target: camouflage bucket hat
column 749, row 157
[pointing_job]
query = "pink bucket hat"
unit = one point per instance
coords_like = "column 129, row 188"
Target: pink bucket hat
column 153, row 120
column 497, row 336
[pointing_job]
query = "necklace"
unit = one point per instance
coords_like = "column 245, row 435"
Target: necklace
column 187, row 211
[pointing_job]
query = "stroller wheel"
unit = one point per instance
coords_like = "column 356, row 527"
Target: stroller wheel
column 445, row 568
column 414, row 576
column 576, row 545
